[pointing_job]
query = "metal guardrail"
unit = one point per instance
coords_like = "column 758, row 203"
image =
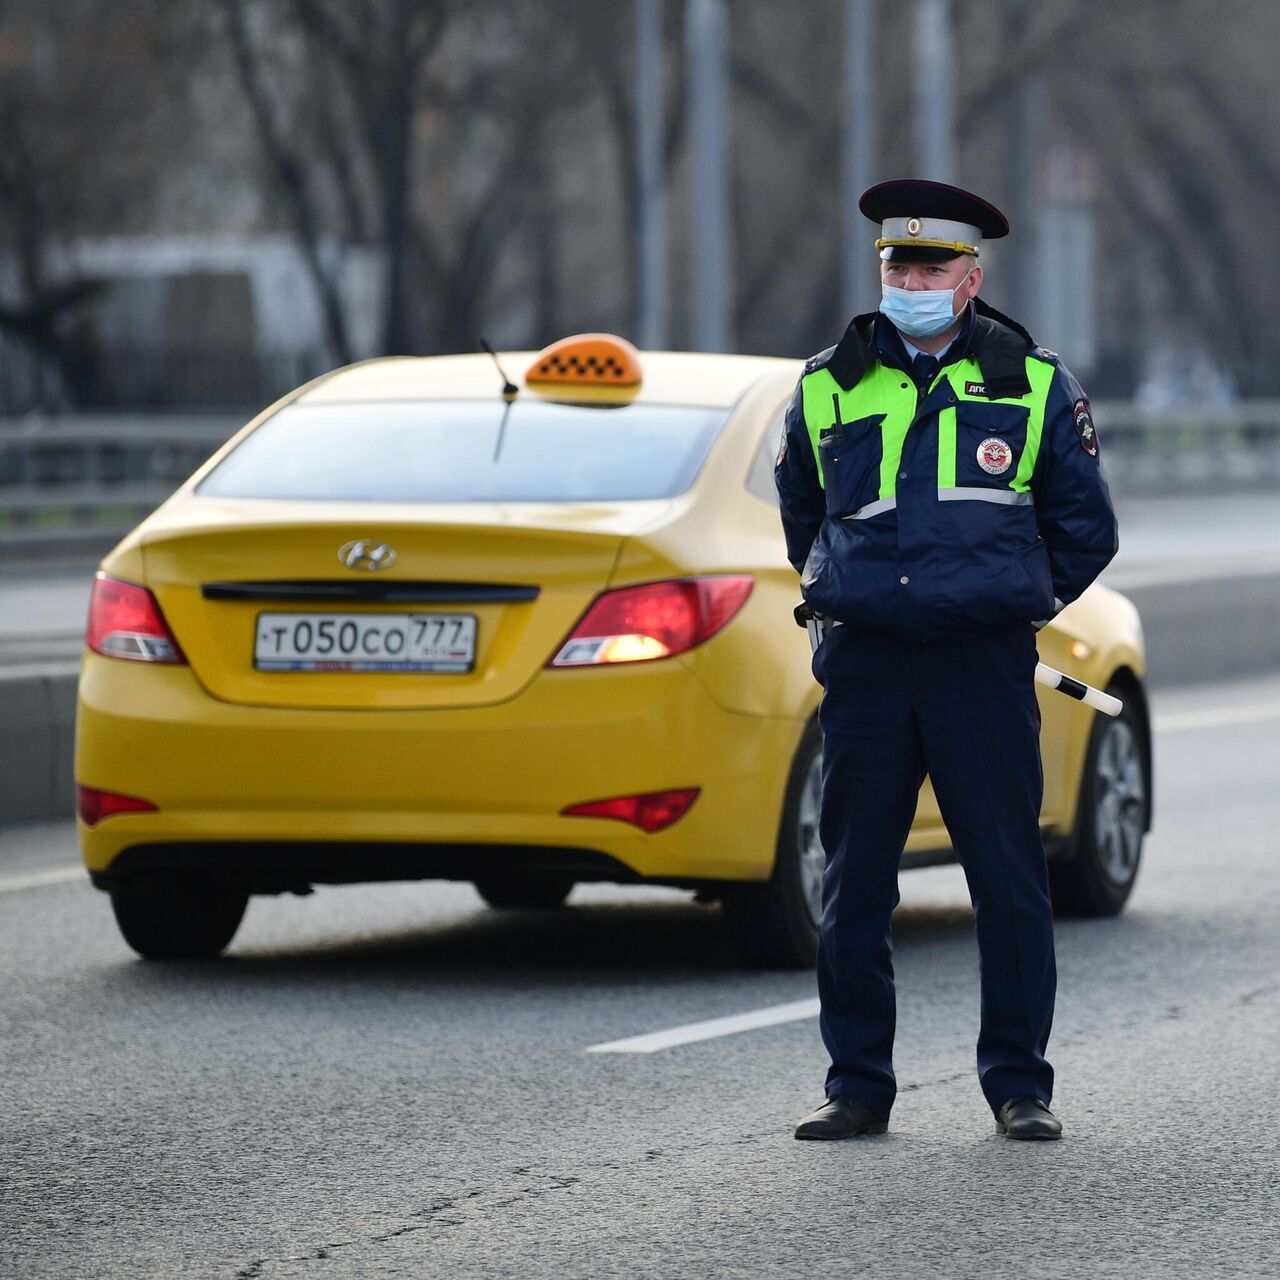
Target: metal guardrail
column 106, row 471
column 98, row 470
column 1154, row 450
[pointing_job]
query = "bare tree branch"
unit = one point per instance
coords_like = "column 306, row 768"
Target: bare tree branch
column 289, row 174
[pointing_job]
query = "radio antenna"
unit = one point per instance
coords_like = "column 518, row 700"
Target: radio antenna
column 509, row 388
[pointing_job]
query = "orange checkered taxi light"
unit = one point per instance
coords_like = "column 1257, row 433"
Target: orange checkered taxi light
column 587, row 359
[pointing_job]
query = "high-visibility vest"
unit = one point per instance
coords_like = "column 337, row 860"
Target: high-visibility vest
column 890, row 394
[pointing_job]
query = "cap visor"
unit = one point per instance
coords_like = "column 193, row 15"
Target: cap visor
column 916, row 253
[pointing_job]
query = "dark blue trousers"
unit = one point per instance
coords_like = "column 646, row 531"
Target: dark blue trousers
column 962, row 710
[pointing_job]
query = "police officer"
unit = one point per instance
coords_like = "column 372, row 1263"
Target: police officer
column 942, row 499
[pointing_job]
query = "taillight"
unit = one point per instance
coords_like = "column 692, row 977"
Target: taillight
column 657, row 620
column 125, row 622
column 651, row 811
column 93, row 805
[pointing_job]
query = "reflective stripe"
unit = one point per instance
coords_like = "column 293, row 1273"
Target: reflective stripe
column 946, row 449
column 1004, row 497
column 879, row 507
column 817, row 389
column 1040, row 374
column 893, row 432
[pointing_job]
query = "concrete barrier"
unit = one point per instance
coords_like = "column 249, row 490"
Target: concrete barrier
column 37, row 742
column 1209, row 628
column 1198, row 629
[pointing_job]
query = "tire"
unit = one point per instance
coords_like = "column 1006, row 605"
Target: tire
column 1097, row 877
column 775, row 925
column 515, row 891
column 181, row 921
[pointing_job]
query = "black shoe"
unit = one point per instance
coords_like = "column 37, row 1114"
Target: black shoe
column 1027, row 1118
column 840, row 1117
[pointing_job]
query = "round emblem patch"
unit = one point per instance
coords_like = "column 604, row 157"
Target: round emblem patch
column 1082, row 420
column 914, row 227
column 994, row 456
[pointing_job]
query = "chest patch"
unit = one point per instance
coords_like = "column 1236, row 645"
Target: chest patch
column 975, row 388
column 994, row 456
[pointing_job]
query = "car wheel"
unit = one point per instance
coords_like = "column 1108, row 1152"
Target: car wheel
column 185, row 921
column 514, row 891
column 1098, row 876
column 775, row 924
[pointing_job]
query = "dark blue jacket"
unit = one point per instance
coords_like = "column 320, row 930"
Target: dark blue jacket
column 927, row 568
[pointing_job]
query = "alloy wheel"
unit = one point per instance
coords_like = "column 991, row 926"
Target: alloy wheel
column 813, row 859
column 1120, row 796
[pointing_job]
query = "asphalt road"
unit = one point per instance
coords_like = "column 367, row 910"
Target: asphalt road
column 393, row 1080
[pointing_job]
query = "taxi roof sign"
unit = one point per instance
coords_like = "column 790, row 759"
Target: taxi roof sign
column 587, row 360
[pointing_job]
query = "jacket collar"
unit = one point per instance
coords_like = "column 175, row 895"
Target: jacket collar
column 998, row 344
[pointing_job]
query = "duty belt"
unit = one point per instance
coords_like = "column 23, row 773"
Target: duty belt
column 815, row 624
column 819, row 627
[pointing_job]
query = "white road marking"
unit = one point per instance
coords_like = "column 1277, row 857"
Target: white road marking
column 712, row 1028
column 1214, row 717
column 37, row 879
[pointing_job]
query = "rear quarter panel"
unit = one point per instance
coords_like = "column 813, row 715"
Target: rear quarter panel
column 759, row 664
column 1108, row 625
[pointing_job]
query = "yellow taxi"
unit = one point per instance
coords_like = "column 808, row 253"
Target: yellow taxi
column 415, row 622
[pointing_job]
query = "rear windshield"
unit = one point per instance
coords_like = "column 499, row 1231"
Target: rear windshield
column 469, row 451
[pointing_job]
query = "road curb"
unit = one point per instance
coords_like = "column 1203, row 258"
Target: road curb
column 1197, row 630
column 1209, row 628
column 37, row 746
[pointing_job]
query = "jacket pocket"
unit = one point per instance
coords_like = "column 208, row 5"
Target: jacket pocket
column 1035, row 582
column 990, row 439
column 850, row 456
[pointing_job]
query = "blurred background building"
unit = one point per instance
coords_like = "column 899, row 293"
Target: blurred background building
column 204, row 202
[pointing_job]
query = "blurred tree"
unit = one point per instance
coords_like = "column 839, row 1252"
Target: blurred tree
column 610, row 63
column 1176, row 125
column 486, row 150
column 73, row 117
column 419, row 126
column 288, row 166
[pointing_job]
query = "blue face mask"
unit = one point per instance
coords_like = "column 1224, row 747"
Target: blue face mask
column 919, row 313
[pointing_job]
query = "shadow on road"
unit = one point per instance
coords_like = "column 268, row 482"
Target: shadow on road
column 581, row 946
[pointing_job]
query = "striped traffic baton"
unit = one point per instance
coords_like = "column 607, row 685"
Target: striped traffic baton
column 1073, row 688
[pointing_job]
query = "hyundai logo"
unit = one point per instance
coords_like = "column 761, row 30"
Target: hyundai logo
column 367, row 555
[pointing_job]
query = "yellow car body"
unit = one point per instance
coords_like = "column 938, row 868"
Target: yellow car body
column 346, row 776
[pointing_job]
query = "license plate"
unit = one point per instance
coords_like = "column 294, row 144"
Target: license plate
column 365, row 642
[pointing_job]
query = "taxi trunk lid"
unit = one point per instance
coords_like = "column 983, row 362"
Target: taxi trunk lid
column 231, row 575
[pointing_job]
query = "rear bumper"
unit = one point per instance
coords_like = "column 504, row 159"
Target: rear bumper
column 286, row 795
column 290, row 866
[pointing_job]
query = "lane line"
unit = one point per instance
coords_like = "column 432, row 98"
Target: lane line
column 37, row 879
column 1215, row 717
column 714, row 1028
column 711, row 1029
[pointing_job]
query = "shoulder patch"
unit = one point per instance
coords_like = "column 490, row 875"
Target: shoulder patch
column 1086, row 432
column 819, row 359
